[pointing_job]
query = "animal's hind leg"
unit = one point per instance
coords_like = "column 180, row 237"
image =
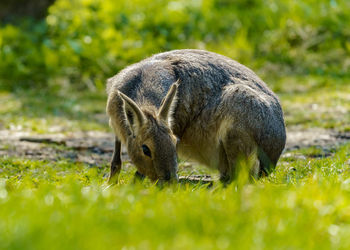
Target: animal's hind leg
column 226, row 165
column 237, row 150
column 116, row 163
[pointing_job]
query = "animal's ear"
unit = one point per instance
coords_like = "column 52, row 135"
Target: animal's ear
column 168, row 104
column 133, row 113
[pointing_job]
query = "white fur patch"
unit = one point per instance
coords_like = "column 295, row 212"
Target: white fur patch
column 225, row 125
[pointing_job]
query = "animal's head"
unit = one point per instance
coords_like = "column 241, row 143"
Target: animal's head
column 151, row 144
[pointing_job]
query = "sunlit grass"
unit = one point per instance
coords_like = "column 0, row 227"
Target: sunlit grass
column 315, row 102
column 55, row 69
column 45, row 112
column 62, row 205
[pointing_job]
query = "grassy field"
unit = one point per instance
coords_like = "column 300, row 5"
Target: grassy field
column 52, row 78
column 304, row 204
column 63, row 204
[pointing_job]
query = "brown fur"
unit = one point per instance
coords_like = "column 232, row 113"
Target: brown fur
column 219, row 111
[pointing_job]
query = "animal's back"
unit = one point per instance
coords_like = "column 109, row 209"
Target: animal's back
column 202, row 71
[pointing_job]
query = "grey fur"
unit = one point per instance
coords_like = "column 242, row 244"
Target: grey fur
column 222, row 111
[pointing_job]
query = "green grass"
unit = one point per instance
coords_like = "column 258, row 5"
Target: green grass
column 304, row 204
column 44, row 111
column 323, row 107
column 300, row 48
column 314, row 101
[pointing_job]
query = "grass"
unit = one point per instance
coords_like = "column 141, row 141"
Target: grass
column 300, row 48
column 313, row 101
column 46, row 112
column 303, row 204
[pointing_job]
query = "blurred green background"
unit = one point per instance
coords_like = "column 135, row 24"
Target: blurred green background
column 55, row 56
column 79, row 43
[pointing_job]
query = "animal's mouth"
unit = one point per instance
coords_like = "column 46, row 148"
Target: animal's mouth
column 161, row 176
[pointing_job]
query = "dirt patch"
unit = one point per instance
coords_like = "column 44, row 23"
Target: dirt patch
column 93, row 147
column 316, row 137
column 96, row 148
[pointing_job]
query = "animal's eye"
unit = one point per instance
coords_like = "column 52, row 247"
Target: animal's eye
column 146, row 150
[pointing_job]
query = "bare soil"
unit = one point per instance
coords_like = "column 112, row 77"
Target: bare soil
column 96, row 148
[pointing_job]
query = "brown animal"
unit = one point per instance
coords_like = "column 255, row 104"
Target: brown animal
column 201, row 105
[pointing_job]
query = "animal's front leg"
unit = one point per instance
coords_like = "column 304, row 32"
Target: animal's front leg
column 116, row 163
